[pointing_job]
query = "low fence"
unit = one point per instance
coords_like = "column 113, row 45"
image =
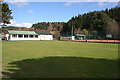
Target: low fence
column 65, row 38
column 100, row 41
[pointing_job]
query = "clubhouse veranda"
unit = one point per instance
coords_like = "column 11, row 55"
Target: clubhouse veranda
column 28, row 35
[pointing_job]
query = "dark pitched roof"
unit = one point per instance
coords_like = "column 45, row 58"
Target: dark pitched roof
column 43, row 32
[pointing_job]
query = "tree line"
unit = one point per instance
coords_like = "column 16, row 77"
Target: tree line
column 50, row 26
column 97, row 23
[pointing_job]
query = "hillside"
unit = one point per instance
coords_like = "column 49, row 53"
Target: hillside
column 96, row 23
column 50, row 26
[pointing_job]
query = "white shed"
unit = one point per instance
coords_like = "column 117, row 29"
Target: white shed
column 44, row 35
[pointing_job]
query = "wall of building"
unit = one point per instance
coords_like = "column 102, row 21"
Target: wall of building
column 22, row 38
column 45, row 37
column 7, row 35
column 40, row 37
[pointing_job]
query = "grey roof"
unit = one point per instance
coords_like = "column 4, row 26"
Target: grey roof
column 43, row 32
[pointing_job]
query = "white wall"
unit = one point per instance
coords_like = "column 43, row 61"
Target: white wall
column 72, row 37
column 17, row 39
column 22, row 38
column 45, row 37
column 7, row 35
column 40, row 37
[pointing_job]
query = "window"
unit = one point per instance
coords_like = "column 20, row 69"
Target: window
column 36, row 36
column 14, row 35
column 20, row 36
column 31, row 36
column 25, row 36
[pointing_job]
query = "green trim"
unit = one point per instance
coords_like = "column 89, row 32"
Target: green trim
column 22, row 32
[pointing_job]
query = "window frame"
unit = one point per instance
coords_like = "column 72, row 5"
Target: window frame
column 19, row 35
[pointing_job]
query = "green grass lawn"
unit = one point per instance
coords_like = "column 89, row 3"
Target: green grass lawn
column 59, row 59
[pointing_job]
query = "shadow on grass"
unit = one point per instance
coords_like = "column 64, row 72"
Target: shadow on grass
column 63, row 67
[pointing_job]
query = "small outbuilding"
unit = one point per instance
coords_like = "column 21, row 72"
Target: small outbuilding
column 44, row 35
column 80, row 37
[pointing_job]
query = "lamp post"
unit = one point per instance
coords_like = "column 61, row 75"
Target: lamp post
column 72, row 37
column 72, row 31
